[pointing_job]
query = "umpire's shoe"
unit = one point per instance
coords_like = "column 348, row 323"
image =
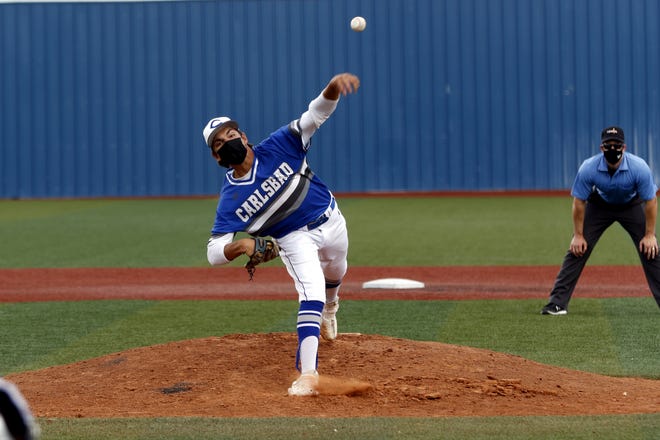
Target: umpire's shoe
column 329, row 321
column 553, row 309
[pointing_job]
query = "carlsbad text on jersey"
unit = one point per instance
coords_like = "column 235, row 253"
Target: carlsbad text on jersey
column 262, row 195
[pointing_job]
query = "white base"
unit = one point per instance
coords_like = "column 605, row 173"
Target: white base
column 393, row 283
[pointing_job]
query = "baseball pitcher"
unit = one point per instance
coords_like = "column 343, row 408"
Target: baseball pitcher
column 271, row 191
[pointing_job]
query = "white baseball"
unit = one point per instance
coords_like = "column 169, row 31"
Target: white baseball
column 358, row 24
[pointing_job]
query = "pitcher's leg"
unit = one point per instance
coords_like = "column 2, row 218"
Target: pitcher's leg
column 299, row 252
column 333, row 254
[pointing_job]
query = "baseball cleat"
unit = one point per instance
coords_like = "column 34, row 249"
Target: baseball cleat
column 305, row 385
column 329, row 321
column 553, row 309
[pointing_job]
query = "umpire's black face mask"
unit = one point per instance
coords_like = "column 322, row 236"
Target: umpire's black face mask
column 612, row 152
column 232, row 152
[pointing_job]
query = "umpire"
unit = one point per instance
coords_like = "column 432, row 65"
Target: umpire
column 614, row 186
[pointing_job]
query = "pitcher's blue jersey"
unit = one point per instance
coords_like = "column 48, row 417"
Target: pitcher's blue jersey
column 280, row 193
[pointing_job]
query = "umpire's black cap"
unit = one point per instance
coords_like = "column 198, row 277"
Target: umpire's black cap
column 612, row 134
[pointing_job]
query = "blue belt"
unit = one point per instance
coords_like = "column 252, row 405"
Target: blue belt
column 323, row 218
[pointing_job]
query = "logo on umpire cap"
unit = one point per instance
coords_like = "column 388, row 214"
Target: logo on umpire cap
column 612, row 134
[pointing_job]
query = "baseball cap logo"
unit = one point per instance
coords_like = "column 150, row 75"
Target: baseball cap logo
column 612, row 133
column 214, row 125
column 216, row 122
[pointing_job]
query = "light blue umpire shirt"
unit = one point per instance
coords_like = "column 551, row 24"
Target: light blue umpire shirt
column 632, row 178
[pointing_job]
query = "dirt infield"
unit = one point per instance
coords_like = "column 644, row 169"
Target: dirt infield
column 363, row 375
column 441, row 283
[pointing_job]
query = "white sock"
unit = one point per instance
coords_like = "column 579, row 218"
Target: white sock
column 308, row 351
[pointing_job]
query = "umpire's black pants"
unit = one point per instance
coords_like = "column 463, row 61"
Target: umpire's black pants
column 597, row 218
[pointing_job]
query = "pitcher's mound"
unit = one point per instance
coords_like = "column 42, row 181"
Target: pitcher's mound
column 361, row 375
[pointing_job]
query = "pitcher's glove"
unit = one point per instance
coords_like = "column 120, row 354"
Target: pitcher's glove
column 264, row 251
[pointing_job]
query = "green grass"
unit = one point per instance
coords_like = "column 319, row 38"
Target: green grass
column 616, row 336
column 98, row 233
column 452, row 231
column 440, row 231
column 629, row 427
column 626, row 343
column 38, row 335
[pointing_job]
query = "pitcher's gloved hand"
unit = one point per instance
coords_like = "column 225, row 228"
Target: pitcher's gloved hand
column 264, row 251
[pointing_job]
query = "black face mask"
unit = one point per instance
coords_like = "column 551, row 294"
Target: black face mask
column 612, row 156
column 232, row 152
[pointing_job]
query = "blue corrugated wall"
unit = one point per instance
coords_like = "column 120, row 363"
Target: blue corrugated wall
column 109, row 99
